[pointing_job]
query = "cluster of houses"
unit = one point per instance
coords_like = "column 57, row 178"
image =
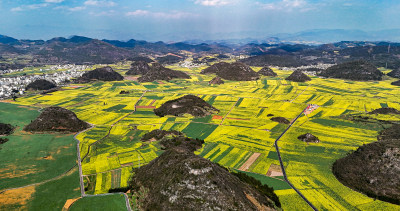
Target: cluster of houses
column 10, row 71
column 16, row 84
column 305, row 68
column 189, row 64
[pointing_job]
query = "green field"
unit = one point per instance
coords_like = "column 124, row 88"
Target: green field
column 241, row 130
column 107, row 203
column 35, row 158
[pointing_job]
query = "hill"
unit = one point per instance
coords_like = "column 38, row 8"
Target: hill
column 385, row 111
column 40, row 84
column 354, row 70
column 138, row 68
column 298, row 76
column 101, row 74
column 215, row 68
column 188, row 104
column 217, row 80
column 308, row 137
column 79, row 51
column 170, row 59
column 236, row 71
column 374, row 168
column 57, row 119
column 159, row 72
column 266, row 71
column 395, row 73
column 180, row 180
column 396, row 83
column 6, row 129
column 280, row 120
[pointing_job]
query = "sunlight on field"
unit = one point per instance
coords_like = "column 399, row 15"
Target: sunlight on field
column 242, row 128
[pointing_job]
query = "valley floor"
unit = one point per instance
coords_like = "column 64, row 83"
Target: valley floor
column 241, row 136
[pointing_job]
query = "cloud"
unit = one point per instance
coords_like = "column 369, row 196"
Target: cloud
column 74, row 9
column 71, row 9
column 29, row 7
column 160, row 15
column 54, row 1
column 100, row 3
column 213, row 2
column 137, row 13
column 287, row 5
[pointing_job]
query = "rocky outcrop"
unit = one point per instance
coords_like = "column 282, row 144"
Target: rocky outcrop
column 354, row 70
column 266, row 71
column 138, row 68
column 180, row 180
column 298, row 76
column 396, row 83
column 40, row 84
column 101, row 74
column 280, row 120
column 395, row 73
column 159, row 72
column 236, row 71
column 374, row 169
column 216, row 81
column 6, row 129
column 57, row 119
column 385, row 111
column 188, row 104
column 308, row 137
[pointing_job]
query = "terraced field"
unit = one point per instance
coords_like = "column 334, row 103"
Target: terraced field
column 241, row 136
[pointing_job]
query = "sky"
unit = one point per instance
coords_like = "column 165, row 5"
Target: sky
column 175, row 20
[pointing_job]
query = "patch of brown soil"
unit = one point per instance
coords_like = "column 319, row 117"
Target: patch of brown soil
column 145, row 107
column 68, row 203
column 246, row 165
column 49, row 157
column 259, row 206
column 18, row 196
column 274, row 171
column 126, row 164
column 132, row 78
column 5, row 172
column 217, row 117
column 6, row 101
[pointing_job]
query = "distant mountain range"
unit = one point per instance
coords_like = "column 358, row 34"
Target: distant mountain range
column 284, row 50
column 315, row 36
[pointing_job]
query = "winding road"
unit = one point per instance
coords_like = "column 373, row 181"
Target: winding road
column 283, row 168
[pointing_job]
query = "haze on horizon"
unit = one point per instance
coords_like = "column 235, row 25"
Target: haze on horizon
column 190, row 19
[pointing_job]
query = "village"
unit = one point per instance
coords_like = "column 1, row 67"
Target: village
column 16, row 84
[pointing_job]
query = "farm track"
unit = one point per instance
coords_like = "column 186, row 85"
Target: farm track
column 283, row 167
column 229, row 111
